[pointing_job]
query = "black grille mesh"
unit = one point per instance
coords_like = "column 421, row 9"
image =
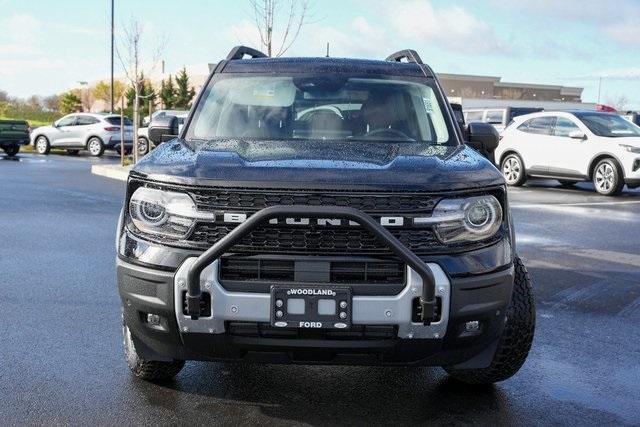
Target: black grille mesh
column 248, row 201
column 314, row 240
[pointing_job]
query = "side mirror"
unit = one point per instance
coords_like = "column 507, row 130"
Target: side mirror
column 483, row 138
column 577, row 134
column 146, row 121
column 163, row 129
column 54, row 124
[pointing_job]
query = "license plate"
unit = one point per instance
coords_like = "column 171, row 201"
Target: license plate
column 311, row 307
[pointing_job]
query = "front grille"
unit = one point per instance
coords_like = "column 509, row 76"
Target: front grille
column 315, row 240
column 244, row 200
column 312, row 239
column 243, row 269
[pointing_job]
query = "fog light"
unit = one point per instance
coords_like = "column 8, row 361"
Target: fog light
column 153, row 319
column 472, row 326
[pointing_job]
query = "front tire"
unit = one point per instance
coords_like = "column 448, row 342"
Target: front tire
column 12, row 150
column 607, row 178
column 143, row 146
column 149, row 370
column 95, row 146
column 512, row 169
column 516, row 338
column 42, row 145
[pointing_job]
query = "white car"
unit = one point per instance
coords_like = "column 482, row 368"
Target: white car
column 144, row 144
column 572, row 146
column 79, row 131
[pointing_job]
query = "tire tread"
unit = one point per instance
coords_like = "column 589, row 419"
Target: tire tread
column 517, row 336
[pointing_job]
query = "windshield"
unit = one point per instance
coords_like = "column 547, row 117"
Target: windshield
column 609, row 125
column 306, row 107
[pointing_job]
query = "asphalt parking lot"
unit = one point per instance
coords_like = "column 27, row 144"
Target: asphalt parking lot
column 60, row 342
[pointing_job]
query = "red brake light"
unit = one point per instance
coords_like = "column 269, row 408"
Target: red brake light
column 112, row 128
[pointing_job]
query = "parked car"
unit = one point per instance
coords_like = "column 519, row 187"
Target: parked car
column 13, row 134
column 572, row 146
column 498, row 117
column 79, row 131
column 633, row 117
column 322, row 210
column 144, row 144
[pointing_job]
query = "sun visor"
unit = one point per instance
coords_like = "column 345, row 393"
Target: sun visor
column 261, row 91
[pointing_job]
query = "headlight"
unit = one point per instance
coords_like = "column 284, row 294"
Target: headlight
column 467, row 220
column 631, row 148
column 164, row 213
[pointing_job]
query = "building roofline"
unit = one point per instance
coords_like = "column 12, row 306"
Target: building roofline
column 468, row 77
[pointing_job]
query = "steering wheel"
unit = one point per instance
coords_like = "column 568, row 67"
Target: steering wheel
column 388, row 131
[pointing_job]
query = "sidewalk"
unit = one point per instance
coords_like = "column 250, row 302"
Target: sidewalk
column 111, row 171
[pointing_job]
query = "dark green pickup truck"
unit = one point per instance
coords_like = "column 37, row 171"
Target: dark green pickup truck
column 13, row 134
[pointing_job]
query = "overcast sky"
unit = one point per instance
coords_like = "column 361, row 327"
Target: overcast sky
column 47, row 46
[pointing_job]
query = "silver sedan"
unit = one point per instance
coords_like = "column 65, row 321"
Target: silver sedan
column 80, row 131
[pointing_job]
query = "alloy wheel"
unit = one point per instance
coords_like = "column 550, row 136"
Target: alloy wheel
column 605, row 177
column 41, row 145
column 94, row 147
column 142, row 146
column 511, row 169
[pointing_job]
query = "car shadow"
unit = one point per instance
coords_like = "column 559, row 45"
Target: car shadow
column 331, row 394
column 580, row 188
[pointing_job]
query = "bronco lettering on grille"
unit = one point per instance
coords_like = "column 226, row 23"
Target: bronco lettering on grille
column 386, row 221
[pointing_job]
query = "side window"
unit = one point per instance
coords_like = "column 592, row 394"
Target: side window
column 86, row 120
column 495, row 117
column 539, row 125
column 564, row 127
column 67, row 121
column 474, row 116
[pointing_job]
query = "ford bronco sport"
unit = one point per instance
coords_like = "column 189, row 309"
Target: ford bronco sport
column 327, row 211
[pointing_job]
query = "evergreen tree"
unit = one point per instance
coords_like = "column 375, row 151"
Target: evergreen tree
column 184, row 94
column 70, row 103
column 167, row 93
column 145, row 90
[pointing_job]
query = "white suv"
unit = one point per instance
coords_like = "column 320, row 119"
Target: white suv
column 572, row 146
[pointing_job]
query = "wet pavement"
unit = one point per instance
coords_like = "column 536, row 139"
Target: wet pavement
column 61, row 354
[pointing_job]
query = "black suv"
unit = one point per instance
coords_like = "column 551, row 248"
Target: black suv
column 322, row 210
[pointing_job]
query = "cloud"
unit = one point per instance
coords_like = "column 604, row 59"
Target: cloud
column 21, row 44
column 360, row 39
column 617, row 21
column 14, row 67
column 625, row 33
column 449, row 27
column 245, row 33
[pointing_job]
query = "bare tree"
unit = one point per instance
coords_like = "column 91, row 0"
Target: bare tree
column 265, row 12
column 132, row 64
column 620, row 102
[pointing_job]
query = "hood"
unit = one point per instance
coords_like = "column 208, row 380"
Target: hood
column 320, row 164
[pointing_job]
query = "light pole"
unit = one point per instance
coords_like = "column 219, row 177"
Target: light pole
column 112, row 46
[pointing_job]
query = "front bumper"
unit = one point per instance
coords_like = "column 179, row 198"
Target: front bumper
column 444, row 343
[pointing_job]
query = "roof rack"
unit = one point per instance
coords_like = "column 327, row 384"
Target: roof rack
column 409, row 54
column 239, row 52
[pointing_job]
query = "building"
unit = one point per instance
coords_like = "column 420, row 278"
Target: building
column 487, row 87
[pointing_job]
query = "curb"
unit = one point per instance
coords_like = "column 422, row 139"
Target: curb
column 111, row 171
